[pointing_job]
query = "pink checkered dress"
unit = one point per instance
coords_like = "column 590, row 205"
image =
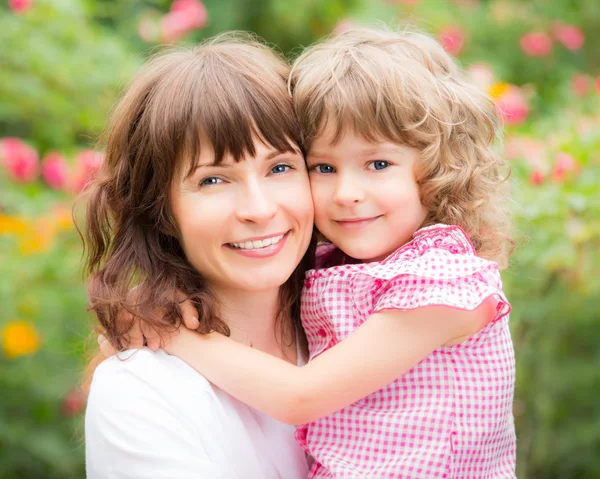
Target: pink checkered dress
column 448, row 417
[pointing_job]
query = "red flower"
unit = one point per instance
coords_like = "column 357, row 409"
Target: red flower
column 580, row 83
column 564, row 164
column 20, row 160
column 73, row 403
column 536, row 178
column 20, row 6
column 87, row 164
column 452, row 39
column 536, row 44
column 55, row 171
column 598, row 85
column 570, row 36
column 513, row 106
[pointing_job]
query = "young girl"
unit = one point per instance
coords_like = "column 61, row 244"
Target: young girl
column 411, row 370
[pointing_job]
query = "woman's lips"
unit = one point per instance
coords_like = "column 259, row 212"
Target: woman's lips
column 261, row 252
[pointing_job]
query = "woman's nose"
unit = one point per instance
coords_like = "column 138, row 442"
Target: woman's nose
column 257, row 204
column 348, row 190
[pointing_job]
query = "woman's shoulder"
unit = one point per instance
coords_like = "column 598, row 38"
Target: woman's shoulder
column 148, row 372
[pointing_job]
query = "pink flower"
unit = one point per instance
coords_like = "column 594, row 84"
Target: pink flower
column 481, row 75
column 570, row 36
column 452, row 39
column 183, row 17
column 598, row 85
column 55, row 171
column 87, row 165
column 536, row 44
column 564, row 164
column 536, row 178
column 405, row 2
column 20, row 160
column 20, row 6
column 513, row 106
column 580, row 84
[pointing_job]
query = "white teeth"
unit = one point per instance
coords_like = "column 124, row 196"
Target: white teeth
column 258, row 243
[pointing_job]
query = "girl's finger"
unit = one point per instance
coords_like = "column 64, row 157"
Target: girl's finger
column 190, row 315
column 153, row 339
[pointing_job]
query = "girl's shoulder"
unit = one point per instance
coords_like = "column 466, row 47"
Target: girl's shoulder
column 439, row 267
column 437, row 252
column 450, row 239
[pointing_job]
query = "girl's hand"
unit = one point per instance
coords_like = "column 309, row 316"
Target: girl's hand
column 140, row 333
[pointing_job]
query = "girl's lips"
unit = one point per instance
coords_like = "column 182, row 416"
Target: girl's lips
column 356, row 223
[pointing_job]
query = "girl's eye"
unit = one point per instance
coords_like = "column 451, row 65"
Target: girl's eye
column 379, row 164
column 211, row 181
column 324, row 169
column 281, row 168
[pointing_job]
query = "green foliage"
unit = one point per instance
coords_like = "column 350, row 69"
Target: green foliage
column 62, row 66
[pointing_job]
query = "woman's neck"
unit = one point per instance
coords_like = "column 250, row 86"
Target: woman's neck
column 252, row 319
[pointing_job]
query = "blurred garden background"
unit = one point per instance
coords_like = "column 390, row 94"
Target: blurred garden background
column 62, row 66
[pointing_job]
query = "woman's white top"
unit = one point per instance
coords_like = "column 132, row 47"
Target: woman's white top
column 152, row 416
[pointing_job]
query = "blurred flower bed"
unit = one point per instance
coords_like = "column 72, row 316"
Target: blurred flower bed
column 61, row 69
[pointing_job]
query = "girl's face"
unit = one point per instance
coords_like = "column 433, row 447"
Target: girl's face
column 366, row 198
column 245, row 226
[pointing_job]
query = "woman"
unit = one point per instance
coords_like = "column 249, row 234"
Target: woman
column 204, row 191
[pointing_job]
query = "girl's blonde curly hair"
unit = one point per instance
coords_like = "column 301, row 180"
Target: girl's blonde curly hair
column 403, row 87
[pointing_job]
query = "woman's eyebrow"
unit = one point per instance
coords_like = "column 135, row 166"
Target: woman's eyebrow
column 221, row 164
column 276, row 153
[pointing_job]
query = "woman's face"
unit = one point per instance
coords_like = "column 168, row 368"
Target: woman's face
column 245, row 226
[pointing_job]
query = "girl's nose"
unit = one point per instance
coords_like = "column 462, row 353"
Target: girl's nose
column 348, row 190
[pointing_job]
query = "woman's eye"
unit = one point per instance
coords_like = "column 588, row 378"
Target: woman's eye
column 281, row 168
column 325, row 169
column 379, row 164
column 211, row 181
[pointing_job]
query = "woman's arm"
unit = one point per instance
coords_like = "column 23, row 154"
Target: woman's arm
column 386, row 346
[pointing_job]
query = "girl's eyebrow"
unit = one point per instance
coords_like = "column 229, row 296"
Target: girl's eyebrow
column 381, row 149
column 389, row 149
column 317, row 154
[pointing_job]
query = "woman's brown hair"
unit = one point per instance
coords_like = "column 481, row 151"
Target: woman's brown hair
column 224, row 94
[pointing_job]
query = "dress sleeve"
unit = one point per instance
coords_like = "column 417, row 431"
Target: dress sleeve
column 134, row 431
column 439, row 268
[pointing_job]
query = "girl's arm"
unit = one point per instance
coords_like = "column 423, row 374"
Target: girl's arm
column 386, row 346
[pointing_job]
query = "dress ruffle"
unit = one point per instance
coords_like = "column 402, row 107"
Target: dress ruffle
column 437, row 268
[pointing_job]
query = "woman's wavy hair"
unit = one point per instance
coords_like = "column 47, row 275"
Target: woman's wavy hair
column 404, row 88
column 227, row 92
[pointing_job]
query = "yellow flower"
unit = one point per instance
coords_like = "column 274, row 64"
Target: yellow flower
column 12, row 225
column 19, row 338
column 39, row 238
column 498, row 89
column 62, row 218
